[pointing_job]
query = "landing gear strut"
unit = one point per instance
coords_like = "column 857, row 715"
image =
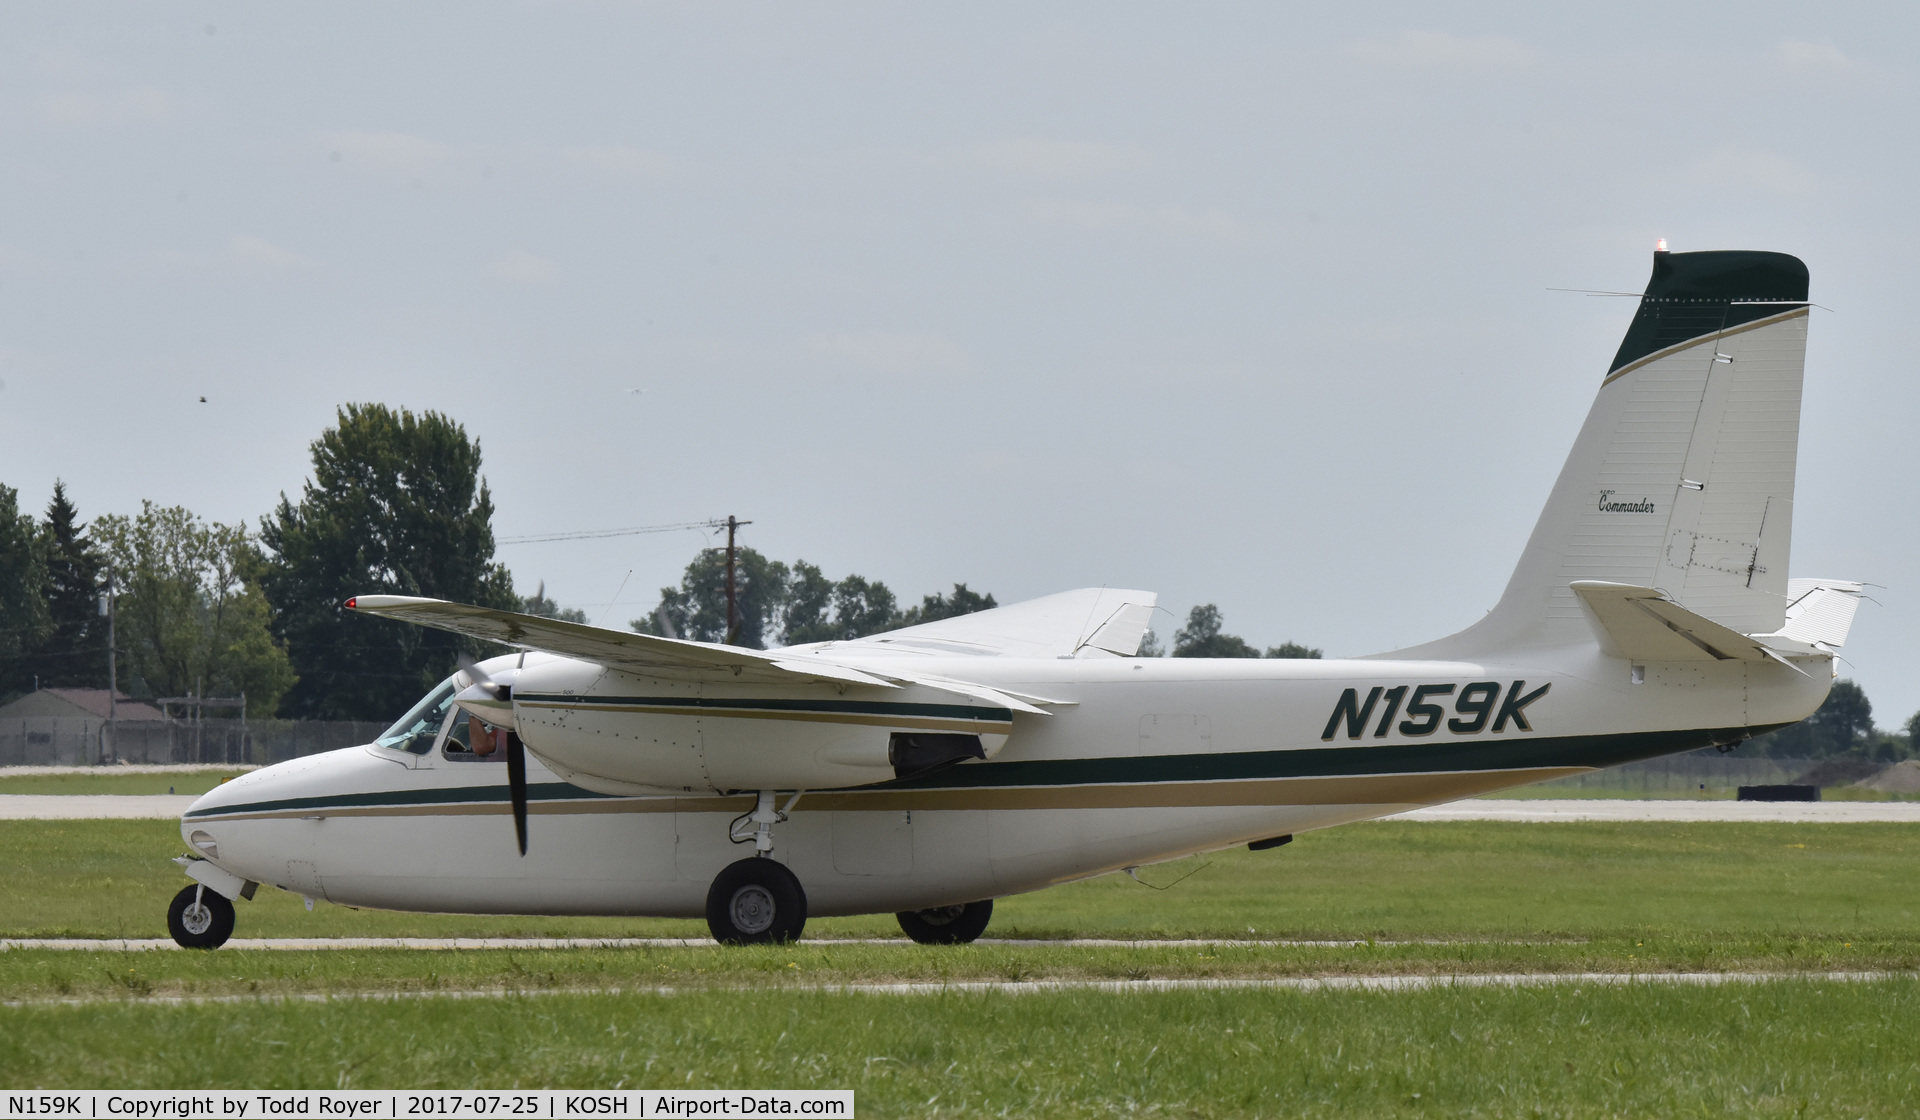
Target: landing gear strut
column 200, row 918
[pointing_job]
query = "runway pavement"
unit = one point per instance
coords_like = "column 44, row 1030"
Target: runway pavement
column 48, row 807
column 1039, row 987
column 310, row 944
column 1622, row 809
column 84, row 806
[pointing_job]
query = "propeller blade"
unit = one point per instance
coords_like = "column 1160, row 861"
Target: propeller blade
column 517, row 787
column 482, row 681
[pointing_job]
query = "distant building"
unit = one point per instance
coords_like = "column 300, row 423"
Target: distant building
column 78, row 703
column 67, row 727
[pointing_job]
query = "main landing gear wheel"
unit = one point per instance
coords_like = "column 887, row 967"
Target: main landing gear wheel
column 756, row 901
column 947, row 925
column 200, row 918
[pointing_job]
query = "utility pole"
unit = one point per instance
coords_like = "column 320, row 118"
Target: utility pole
column 733, row 614
column 113, row 673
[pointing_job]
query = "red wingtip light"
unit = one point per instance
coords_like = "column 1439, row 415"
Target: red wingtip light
column 1660, row 246
column 352, row 601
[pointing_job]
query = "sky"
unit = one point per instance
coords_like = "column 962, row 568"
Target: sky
column 1248, row 304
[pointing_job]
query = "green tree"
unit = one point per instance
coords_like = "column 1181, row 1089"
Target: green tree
column 933, row 608
column 189, row 611
column 1843, row 724
column 791, row 606
column 1201, row 636
column 820, row 610
column 807, row 614
column 74, row 653
column 862, row 607
column 1293, row 649
column 1150, row 645
column 24, row 619
column 396, row 506
column 544, row 607
column 697, row 609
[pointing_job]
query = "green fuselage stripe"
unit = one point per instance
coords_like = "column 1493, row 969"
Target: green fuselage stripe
column 1320, row 762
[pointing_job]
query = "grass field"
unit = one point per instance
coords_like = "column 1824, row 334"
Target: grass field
column 1780, row 1049
column 1559, row 898
column 111, row 782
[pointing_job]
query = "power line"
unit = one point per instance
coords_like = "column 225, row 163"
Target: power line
column 602, row 534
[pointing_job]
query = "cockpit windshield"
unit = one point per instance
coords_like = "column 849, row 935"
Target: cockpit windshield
column 416, row 731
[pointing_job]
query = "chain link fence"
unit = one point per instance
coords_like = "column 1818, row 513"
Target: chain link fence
column 257, row 742
column 1682, row 774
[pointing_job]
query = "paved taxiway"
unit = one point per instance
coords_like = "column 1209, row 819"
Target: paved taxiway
column 52, row 807
column 309, row 944
column 1032, row 987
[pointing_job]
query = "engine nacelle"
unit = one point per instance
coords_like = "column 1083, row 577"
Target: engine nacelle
column 614, row 732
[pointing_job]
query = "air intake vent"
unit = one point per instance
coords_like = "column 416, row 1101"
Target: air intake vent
column 915, row 753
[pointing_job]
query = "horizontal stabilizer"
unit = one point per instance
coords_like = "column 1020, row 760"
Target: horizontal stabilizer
column 1820, row 611
column 1642, row 624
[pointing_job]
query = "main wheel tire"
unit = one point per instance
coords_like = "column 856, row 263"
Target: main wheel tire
column 200, row 918
column 756, row 901
column 947, row 925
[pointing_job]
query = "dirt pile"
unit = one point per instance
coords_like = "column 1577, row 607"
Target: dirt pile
column 1901, row 777
column 1840, row 772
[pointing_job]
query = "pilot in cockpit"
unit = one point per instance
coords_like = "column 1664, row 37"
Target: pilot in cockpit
column 472, row 739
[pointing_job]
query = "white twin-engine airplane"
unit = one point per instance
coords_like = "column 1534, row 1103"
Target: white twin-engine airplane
column 930, row 770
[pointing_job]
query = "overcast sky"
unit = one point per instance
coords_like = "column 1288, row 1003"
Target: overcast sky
column 1245, row 304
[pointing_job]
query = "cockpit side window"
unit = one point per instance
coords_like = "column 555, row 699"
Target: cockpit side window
column 472, row 739
column 416, row 731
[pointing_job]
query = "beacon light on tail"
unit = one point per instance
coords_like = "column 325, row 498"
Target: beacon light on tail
column 930, row 770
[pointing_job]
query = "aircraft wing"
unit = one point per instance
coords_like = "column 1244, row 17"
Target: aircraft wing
column 1089, row 622
column 648, row 655
column 616, row 649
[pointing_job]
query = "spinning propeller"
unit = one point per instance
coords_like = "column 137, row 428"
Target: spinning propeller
column 487, row 693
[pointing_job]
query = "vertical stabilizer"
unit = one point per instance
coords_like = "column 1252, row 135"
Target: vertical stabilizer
column 1682, row 477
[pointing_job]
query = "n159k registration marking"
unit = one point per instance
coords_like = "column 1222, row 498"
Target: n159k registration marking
column 1474, row 705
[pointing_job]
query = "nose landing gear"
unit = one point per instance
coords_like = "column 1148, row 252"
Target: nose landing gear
column 200, row 918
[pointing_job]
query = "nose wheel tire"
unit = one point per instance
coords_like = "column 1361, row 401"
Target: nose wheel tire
column 756, row 901
column 947, row 925
column 200, row 918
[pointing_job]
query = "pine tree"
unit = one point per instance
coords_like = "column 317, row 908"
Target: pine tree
column 23, row 601
column 75, row 653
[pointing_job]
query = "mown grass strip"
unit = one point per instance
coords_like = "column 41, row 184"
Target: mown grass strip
column 116, row 783
column 1784, row 1048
